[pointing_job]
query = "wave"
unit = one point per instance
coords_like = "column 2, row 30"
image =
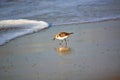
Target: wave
column 93, row 20
column 10, row 29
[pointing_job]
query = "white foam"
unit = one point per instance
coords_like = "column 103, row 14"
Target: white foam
column 10, row 29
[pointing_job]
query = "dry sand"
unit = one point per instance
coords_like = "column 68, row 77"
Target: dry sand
column 92, row 53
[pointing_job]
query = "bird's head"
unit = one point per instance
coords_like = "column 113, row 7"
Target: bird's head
column 56, row 36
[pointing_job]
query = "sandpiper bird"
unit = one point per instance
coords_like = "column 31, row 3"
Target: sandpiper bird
column 62, row 36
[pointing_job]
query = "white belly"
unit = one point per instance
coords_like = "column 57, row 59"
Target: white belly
column 61, row 38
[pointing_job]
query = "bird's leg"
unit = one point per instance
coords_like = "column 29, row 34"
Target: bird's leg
column 65, row 42
column 61, row 42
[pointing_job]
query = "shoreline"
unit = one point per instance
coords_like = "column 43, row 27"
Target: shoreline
column 87, row 22
column 73, row 23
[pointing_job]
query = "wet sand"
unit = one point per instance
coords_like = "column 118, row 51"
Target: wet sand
column 92, row 53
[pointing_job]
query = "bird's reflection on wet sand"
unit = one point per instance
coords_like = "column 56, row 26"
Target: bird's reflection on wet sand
column 63, row 50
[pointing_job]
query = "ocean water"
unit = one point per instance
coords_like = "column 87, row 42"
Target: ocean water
column 56, row 12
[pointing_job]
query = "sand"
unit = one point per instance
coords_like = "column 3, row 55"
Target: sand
column 92, row 53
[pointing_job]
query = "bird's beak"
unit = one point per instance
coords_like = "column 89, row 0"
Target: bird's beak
column 53, row 38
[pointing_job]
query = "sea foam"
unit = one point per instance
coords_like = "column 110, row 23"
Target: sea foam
column 10, row 29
